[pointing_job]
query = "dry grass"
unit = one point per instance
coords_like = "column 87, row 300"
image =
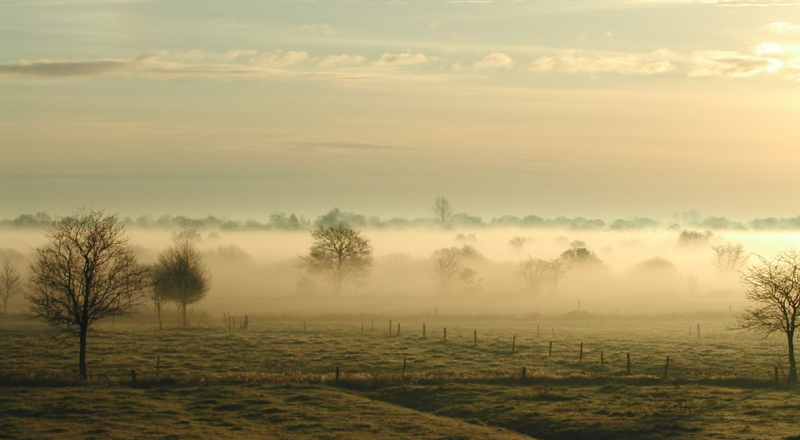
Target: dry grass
column 720, row 385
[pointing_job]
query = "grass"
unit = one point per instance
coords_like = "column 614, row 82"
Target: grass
column 720, row 385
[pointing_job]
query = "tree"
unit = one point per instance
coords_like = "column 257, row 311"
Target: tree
column 774, row 287
column 536, row 273
column 9, row 283
column 87, row 271
column 442, row 210
column 729, row 258
column 339, row 252
column 180, row 275
column 159, row 295
column 449, row 270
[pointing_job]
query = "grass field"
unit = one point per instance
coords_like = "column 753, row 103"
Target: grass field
column 277, row 380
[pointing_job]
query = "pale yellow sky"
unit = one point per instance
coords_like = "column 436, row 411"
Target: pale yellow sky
column 593, row 108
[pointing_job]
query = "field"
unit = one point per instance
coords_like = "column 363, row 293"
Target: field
column 278, row 379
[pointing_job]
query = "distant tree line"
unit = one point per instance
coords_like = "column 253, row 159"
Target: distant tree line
column 443, row 216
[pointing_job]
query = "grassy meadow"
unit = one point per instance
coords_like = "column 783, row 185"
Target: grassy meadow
column 277, row 379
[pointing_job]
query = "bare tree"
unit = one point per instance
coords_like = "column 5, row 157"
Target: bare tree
column 10, row 283
column 447, row 265
column 517, row 243
column 558, row 267
column 537, row 273
column 449, row 270
column 159, row 295
column 729, row 258
column 180, row 275
column 339, row 252
column 442, row 210
column 774, row 286
column 87, row 271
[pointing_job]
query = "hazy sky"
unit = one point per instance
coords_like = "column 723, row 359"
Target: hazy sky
column 600, row 108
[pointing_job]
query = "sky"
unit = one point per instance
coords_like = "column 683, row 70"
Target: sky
column 243, row 108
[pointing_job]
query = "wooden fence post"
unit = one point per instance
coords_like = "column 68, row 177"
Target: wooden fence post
column 550, row 353
column 666, row 368
column 404, row 368
column 580, row 356
column 390, row 327
column 336, row 382
column 628, row 369
column 158, row 365
column 602, row 359
column 524, row 373
column 398, row 329
column 475, row 337
column 423, row 330
column 445, row 334
column 133, row 376
column 513, row 342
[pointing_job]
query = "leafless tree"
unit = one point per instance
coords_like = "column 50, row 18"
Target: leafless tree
column 447, row 265
column 10, row 283
column 158, row 295
column 537, row 273
column 87, row 271
column 442, row 210
column 339, row 252
column 180, row 275
column 449, row 270
column 729, row 258
column 558, row 267
column 774, row 287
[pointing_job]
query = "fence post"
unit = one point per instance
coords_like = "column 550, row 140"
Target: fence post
column 524, row 373
column 602, row 358
column 580, row 356
column 445, row 334
column 390, row 327
column 423, row 330
column 336, row 382
column 513, row 342
column 475, row 337
column 550, row 353
column 133, row 376
column 404, row 368
column 158, row 365
column 628, row 369
column 666, row 369
column 398, row 329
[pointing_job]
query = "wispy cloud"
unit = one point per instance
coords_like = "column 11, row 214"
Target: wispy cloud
column 402, row 59
column 494, row 61
column 783, row 27
column 732, row 64
column 573, row 61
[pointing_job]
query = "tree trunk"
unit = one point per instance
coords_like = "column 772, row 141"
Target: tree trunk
column 5, row 306
column 183, row 313
column 158, row 311
column 82, row 362
column 792, row 379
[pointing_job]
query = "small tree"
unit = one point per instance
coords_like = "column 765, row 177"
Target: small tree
column 729, row 258
column 537, row 273
column 442, row 210
column 180, row 275
column 9, row 283
column 87, row 271
column 159, row 295
column 339, row 252
column 774, row 287
column 449, row 270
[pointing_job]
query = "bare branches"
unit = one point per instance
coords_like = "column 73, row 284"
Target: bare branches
column 10, row 283
column 339, row 252
column 442, row 210
column 539, row 273
column 180, row 275
column 729, row 258
column 86, row 272
column 774, row 287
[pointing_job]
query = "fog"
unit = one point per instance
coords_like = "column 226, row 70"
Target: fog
column 643, row 271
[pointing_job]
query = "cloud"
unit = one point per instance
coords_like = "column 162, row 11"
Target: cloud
column 63, row 68
column 342, row 146
column 275, row 60
column 628, row 64
column 732, row 64
column 402, row 59
column 494, row 61
column 341, row 60
column 783, row 27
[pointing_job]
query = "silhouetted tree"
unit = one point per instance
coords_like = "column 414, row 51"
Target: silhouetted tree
column 729, row 258
column 180, row 275
column 442, row 210
column 339, row 252
column 537, row 273
column 10, row 283
column 85, row 272
column 774, row 286
column 449, row 270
